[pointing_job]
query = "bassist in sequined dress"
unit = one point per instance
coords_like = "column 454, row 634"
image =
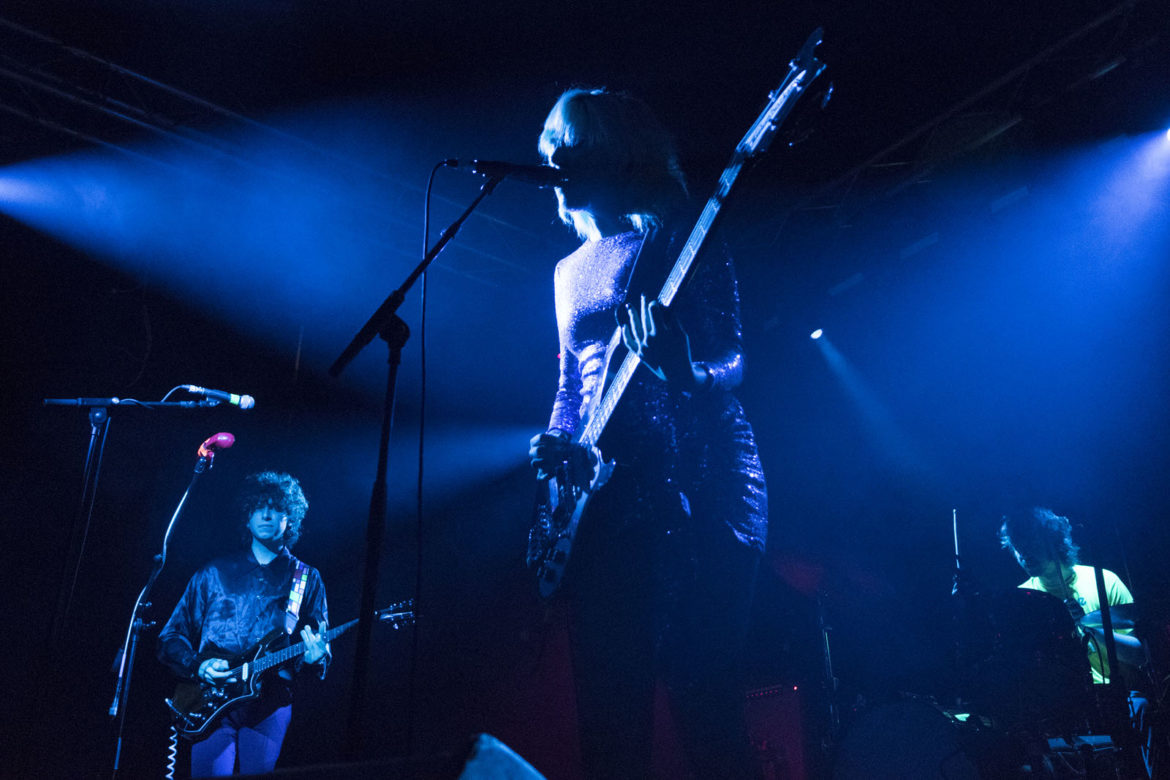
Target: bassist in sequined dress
column 663, row 569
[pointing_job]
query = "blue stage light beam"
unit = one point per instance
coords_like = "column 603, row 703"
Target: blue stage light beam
column 264, row 244
column 1133, row 199
column 887, row 437
column 279, row 238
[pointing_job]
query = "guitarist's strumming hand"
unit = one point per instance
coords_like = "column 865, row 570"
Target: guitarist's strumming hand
column 549, row 450
column 315, row 645
column 652, row 332
column 215, row 671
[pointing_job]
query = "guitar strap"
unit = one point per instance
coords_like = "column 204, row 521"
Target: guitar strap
column 645, row 270
column 296, row 595
column 656, row 256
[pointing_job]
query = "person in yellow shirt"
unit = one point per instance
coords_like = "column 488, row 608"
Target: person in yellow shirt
column 1042, row 543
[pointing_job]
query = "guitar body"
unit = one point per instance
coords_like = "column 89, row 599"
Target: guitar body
column 557, row 518
column 197, row 706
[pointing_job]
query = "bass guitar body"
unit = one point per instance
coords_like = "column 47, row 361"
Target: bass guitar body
column 557, row 518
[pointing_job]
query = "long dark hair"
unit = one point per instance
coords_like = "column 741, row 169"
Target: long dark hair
column 1040, row 533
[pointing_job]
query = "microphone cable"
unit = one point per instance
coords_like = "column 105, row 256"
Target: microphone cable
column 172, row 752
column 412, row 679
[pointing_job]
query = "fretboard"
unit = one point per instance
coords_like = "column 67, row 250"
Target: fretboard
column 674, row 282
column 277, row 657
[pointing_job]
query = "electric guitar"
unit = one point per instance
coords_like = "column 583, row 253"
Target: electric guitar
column 196, row 706
column 558, row 514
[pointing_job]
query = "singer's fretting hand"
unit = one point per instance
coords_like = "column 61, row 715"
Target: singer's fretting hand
column 652, row 332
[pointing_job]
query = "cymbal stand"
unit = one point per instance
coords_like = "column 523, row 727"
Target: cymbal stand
column 961, row 590
column 829, row 680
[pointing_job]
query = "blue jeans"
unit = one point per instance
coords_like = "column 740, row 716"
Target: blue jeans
column 251, row 733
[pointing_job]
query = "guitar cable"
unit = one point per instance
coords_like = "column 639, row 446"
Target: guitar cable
column 172, row 752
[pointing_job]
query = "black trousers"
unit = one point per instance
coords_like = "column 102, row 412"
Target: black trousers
column 655, row 594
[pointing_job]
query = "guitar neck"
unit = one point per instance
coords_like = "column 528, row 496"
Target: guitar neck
column 674, row 282
column 278, row 657
column 398, row 614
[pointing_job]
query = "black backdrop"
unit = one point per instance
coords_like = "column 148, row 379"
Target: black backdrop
column 1001, row 375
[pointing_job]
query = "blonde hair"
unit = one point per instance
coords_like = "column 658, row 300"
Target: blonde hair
column 624, row 138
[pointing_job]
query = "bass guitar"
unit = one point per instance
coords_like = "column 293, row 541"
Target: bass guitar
column 196, row 706
column 558, row 512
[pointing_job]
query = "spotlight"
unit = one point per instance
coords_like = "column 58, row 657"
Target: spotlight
column 816, row 334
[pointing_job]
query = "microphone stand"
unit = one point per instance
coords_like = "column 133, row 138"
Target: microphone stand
column 385, row 323
column 99, row 422
column 125, row 661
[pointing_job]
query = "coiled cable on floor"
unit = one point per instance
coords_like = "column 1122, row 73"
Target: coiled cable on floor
column 172, row 752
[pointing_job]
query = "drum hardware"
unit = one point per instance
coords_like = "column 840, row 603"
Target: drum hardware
column 829, row 680
column 1124, row 618
column 916, row 738
column 1088, row 756
column 1025, row 703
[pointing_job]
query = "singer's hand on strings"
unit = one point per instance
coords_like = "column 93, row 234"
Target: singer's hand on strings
column 548, row 450
column 652, row 332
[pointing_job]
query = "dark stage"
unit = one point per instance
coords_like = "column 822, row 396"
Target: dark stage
column 220, row 194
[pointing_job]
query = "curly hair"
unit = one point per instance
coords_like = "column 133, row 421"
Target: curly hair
column 621, row 135
column 1040, row 533
column 280, row 491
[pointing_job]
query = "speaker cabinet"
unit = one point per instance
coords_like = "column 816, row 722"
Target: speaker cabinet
column 486, row 758
column 776, row 730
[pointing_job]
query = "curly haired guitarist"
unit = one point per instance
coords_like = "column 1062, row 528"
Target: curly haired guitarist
column 234, row 603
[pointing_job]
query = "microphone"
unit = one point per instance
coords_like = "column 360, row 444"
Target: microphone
column 242, row 401
column 220, row 441
column 540, row 175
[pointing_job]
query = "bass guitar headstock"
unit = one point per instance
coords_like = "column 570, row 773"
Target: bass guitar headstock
column 805, row 59
column 802, row 70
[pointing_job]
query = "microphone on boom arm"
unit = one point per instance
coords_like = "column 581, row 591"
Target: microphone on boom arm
column 242, row 401
column 538, row 175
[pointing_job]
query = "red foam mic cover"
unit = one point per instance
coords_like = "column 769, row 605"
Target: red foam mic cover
column 220, row 441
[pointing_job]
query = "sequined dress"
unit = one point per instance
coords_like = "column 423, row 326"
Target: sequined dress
column 698, row 446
